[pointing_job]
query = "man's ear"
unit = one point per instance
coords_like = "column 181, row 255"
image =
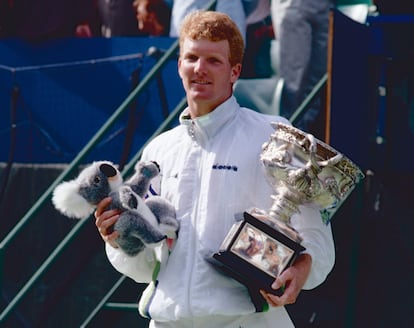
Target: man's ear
column 235, row 72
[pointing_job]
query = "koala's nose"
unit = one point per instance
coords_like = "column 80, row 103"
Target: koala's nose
column 108, row 170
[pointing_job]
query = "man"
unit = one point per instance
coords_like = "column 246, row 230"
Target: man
column 235, row 9
column 301, row 28
column 117, row 18
column 153, row 17
column 43, row 20
column 210, row 171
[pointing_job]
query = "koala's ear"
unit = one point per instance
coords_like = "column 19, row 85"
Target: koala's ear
column 68, row 201
column 108, row 170
column 157, row 165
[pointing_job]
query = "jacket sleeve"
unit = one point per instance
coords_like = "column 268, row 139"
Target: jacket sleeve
column 319, row 244
column 139, row 268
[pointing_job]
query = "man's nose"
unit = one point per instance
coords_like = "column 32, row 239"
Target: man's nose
column 200, row 66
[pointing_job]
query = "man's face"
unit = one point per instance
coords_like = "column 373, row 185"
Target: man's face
column 206, row 73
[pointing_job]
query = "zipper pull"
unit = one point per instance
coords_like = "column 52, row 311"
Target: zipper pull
column 191, row 130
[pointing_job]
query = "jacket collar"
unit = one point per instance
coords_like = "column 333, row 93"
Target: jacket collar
column 205, row 127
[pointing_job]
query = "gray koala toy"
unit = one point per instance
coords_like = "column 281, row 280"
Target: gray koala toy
column 142, row 222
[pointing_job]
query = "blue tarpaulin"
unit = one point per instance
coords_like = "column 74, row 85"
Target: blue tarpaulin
column 55, row 96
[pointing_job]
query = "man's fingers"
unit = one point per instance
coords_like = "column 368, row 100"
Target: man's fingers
column 102, row 206
column 105, row 226
column 273, row 300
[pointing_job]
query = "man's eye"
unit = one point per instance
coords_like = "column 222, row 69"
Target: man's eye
column 192, row 58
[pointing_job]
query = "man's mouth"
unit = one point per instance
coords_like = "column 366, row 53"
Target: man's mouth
column 202, row 82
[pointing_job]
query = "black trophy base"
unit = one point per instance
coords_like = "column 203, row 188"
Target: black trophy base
column 255, row 253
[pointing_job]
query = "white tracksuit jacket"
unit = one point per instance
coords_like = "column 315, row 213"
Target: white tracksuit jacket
column 210, row 170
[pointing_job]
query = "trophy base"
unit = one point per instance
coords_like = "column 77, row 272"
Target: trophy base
column 255, row 254
column 276, row 224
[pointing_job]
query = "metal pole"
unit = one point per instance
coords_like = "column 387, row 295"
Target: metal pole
column 305, row 103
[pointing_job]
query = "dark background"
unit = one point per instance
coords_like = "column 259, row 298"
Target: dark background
column 371, row 284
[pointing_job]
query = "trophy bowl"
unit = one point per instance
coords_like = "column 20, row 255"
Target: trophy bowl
column 302, row 170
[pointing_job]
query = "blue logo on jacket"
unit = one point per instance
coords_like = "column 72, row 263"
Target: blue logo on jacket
column 225, row 167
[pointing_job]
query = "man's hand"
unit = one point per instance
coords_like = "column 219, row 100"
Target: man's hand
column 105, row 219
column 291, row 281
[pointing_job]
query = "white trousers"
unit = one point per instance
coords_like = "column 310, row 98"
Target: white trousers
column 274, row 318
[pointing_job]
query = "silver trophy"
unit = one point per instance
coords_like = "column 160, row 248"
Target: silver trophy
column 302, row 170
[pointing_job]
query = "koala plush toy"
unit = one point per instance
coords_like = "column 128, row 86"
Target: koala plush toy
column 142, row 222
